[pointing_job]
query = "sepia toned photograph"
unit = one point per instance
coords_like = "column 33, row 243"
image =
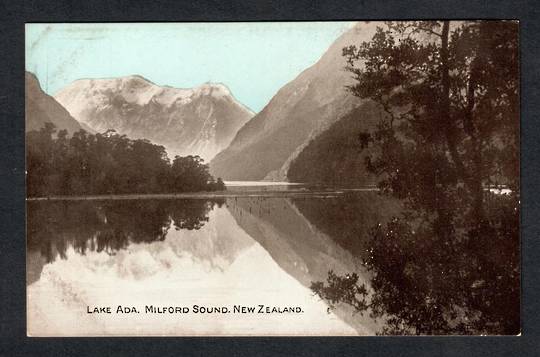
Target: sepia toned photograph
column 273, row 178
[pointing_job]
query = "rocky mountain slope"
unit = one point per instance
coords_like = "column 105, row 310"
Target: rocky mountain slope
column 200, row 121
column 41, row 108
column 264, row 148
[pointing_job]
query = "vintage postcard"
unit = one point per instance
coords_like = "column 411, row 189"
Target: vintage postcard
column 273, row 178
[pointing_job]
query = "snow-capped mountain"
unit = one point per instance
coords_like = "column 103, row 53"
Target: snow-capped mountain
column 264, row 148
column 200, row 121
column 41, row 108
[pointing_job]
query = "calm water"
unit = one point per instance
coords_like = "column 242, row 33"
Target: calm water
column 211, row 253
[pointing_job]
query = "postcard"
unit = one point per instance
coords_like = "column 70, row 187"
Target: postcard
column 273, row 178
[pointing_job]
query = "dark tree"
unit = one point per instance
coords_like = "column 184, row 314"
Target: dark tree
column 450, row 94
column 190, row 174
column 450, row 130
column 107, row 163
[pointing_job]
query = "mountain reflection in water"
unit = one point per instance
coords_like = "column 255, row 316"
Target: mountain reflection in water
column 246, row 251
column 161, row 253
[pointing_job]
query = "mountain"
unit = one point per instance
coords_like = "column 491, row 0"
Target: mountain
column 336, row 157
column 264, row 148
column 199, row 121
column 41, row 108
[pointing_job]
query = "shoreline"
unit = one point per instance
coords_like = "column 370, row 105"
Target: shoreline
column 202, row 195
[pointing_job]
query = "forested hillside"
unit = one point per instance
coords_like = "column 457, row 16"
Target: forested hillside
column 335, row 157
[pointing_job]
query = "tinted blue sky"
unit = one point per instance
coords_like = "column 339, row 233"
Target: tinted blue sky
column 253, row 59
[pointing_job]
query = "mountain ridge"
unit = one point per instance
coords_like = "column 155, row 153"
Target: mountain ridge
column 187, row 121
column 41, row 108
column 264, row 147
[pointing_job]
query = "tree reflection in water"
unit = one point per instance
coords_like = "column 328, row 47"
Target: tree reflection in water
column 449, row 129
column 108, row 226
column 430, row 278
column 347, row 219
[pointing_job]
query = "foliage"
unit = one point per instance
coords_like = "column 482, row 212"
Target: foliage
column 335, row 157
column 108, row 163
column 450, row 93
column 342, row 290
column 423, row 283
column 452, row 102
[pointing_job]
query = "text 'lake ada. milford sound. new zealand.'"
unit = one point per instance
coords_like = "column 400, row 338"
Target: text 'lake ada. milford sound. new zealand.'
column 195, row 309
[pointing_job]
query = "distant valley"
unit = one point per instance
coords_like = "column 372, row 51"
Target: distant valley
column 264, row 148
column 307, row 132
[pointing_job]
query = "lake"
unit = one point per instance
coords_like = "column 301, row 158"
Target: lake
column 201, row 254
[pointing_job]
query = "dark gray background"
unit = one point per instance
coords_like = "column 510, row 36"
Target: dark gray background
column 15, row 13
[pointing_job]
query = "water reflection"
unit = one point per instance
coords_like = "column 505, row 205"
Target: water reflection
column 254, row 250
column 300, row 246
column 164, row 253
column 349, row 218
column 426, row 282
column 106, row 226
